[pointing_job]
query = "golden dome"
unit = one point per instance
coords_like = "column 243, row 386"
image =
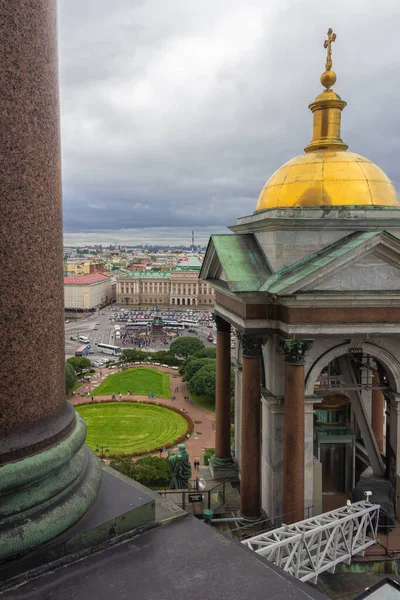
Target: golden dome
column 326, row 178
column 328, row 175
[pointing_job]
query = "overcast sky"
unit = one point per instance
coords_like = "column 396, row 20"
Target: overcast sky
column 175, row 112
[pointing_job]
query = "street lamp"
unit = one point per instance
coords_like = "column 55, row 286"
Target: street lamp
column 103, row 449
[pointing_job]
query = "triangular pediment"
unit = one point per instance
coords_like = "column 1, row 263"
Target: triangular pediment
column 235, row 262
column 360, row 262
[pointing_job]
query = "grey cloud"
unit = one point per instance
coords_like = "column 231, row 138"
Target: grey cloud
column 174, row 114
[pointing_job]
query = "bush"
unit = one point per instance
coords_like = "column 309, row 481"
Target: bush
column 185, row 346
column 207, row 455
column 150, row 470
column 70, row 377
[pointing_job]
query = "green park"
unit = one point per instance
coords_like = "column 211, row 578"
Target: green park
column 129, row 427
column 139, row 381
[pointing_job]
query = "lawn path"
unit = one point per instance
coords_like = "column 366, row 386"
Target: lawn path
column 204, row 436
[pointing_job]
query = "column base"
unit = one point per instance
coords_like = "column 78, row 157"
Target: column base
column 222, row 468
column 46, row 493
column 251, row 519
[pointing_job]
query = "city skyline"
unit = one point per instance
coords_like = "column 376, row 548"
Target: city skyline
column 176, row 116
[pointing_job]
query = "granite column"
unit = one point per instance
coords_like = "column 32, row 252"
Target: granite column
column 49, row 478
column 293, row 430
column 221, row 464
column 250, row 461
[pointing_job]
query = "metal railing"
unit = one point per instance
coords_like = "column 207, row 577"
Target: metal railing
column 212, row 498
column 388, row 539
column 271, row 523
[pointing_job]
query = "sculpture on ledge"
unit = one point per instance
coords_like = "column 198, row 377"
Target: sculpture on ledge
column 180, row 468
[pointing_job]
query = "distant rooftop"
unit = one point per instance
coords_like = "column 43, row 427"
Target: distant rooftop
column 148, row 275
column 85, row 279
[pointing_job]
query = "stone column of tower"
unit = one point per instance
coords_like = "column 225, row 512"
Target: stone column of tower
column 293, row 430
column 377, row 412
column 221, row 464
column 48, row 477
column 250, row 460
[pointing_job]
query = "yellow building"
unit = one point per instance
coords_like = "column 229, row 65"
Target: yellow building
column 180, row 287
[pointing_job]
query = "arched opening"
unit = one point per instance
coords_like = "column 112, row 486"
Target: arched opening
column 173, row 301
column 178, row 301
column 183, row 301
column 348, row 384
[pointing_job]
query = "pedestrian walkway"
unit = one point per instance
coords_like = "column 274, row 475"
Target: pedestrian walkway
column 203, row 419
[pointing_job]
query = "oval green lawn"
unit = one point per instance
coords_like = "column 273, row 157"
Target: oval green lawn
column 127, row 427
column 142, row 381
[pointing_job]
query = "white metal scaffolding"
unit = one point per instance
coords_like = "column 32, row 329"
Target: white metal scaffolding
column 307, row 548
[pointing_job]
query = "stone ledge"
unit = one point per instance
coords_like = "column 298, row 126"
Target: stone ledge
column 121, row 506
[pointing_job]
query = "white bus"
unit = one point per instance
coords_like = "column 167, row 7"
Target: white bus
column 83, row 339
column 117, row 327
column 169, row 327
column 109, row 349
column 189, row 323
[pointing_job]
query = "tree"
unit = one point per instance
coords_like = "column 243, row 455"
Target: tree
column 185, row 346
column 147, row 470
column 192, row 366
column 163, row 356
column 135, row 355
column 203, row 382
column 78, row 363
column 205, row 353
column 70, row 377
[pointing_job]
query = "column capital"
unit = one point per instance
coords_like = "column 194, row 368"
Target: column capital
column 222, row 325
column 295, row 350
column 251, row 344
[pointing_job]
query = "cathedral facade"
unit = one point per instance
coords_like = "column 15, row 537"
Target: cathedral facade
column 310, row 282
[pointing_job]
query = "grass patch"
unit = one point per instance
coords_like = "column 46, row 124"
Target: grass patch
column 207, row 402
column 127, row 427
column 140, row 381
column 76, row 385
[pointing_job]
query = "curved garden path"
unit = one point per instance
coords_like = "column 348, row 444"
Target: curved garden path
column 204, row 434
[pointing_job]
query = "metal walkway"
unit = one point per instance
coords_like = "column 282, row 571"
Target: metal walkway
column 307, row 548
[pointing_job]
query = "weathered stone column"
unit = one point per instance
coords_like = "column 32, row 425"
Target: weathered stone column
column 250, row 462
column 377, row 412
column 293, row 432
column 221, row 464
column 48, row 478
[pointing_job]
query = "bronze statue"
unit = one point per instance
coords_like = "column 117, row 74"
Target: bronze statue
column 180, row 468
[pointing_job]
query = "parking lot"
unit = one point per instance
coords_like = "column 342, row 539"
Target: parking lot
column 99, row 328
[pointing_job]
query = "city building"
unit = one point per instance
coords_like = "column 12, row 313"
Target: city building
column 87, row 267
column 310, row 281
column 86, row 292
column 179, row 287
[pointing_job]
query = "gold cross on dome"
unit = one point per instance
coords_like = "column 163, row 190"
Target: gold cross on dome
column 328, row 46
